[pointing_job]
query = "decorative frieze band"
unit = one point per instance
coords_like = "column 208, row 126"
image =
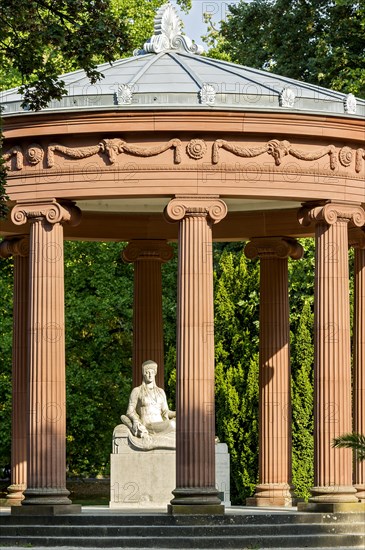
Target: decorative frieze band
column 212, row 207
column 35, row 153
column 331, row 213
column 279, row 149
column 274, row 247
column 195, row 149
column 154, row 250
column 51, row 210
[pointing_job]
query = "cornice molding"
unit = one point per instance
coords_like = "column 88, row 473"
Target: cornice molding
column 274, row 247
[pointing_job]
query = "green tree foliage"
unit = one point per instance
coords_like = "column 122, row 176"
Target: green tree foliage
column 301, row 298
column 41, row 39
column 302, row 363
column 6, row 304
column 236, row 354
column 3, row 196
column 318, row 41
column 98, row 300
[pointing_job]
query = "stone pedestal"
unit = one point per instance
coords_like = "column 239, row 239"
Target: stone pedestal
column 141, row 480
column 46, row 400
column 195, row 434
column 274, row 488
column 147, row 256
column 222, row 473
column 333, row 466
column 146, row 479
column 19, row 248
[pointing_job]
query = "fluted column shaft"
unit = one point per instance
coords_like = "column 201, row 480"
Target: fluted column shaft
column 147, row 257
column 19, row 248
column 275, row 475
column 46, row 403
column 195, row 436
column 332, row 414
column 359, row 363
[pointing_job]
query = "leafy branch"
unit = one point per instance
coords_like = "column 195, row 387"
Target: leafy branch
column 354, row 441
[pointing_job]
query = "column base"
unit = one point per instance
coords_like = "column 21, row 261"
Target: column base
column 46, row 510
column 333, row 494
column 193, row 500
column 46, row 496
column 15, row 494
column 272, row 494
column 360, row 492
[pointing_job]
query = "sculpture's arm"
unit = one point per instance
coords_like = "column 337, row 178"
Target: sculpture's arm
column 138, row 428
column 165, row 411
column 132, row 406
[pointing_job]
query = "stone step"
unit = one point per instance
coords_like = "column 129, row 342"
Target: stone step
column 207, row 542
column 156, row 531
column 143, row 519
column 240, row 531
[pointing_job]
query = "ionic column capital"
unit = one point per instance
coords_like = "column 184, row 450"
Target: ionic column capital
column 49, row 209
column 331, row 213
column 191, row 205
column 18, row 246
column 357, row 238
column 274, row 247
column 147, row 250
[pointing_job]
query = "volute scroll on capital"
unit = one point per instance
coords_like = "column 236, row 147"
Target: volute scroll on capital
column 332, row 213
column 206, row 206
column 15, row 246
column 147, row 250
column 274, row 247
column 51, row 210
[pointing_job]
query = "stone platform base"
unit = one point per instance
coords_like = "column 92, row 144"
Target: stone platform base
column 331, row 507
column 261, row 501
column 195, row 509
column 46, row 510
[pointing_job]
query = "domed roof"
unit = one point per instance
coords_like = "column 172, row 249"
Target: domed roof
column 170, row 72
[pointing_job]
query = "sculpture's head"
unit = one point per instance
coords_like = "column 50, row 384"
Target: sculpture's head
column 149, row 370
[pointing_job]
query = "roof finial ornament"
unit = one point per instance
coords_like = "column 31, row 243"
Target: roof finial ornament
column 167, row 34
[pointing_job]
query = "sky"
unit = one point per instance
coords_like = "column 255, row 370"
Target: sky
column 194, row 26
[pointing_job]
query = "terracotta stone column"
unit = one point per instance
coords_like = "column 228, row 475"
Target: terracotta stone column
column 147, row 256
column 357, row 239
column 195, row 436
column 19, row 248
column 46, row 407
column 274, row 488
column 332, row 414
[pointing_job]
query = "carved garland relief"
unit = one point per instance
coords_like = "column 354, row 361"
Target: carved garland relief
column 196, row 149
